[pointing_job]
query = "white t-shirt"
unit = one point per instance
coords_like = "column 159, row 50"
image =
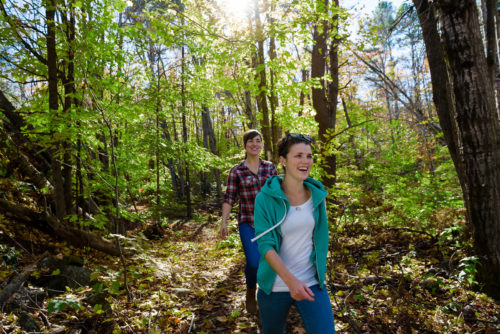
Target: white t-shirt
column 297, row 244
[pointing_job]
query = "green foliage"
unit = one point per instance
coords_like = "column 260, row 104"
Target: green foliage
column 9, row 255
column 232, row 242
column 134, row 97
column 468, row 270
column 391, row 176
column 59, row 305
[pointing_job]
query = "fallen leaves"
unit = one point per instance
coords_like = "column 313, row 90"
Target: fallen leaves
column 381, row 282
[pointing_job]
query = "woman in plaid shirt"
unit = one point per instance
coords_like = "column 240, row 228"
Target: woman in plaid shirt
column 245, row 181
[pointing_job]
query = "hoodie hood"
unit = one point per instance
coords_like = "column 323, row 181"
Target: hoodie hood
column 272, row 188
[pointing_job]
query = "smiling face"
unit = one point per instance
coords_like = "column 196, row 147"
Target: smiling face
column 253, row 146
column 298, row 161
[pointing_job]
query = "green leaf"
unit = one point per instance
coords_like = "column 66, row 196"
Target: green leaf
column 98, row 309
column 56, row 306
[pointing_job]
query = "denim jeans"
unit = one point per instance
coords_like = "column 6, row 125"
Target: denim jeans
column 317, row 316
column 252, row 255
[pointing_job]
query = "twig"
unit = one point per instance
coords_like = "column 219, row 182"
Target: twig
column 347, row 316
column 191, row 324
column 349, row 320
column 17, row 243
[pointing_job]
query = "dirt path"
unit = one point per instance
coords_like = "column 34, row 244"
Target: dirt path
column 213, row 273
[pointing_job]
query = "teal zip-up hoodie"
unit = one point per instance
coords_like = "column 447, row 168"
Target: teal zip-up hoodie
column 271, row 208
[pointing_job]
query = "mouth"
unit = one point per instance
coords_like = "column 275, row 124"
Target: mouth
column 303, row 169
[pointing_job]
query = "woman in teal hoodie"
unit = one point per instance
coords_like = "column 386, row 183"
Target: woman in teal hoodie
column 291, row 231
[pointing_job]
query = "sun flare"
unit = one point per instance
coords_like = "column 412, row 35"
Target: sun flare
column 237, row 9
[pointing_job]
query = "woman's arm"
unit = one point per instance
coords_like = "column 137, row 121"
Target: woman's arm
column 298, row 290
column 226, row 210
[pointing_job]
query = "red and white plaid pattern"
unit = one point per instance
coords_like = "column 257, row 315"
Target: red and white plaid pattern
column 245, row 184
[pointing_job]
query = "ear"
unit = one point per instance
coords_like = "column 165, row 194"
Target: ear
column 282, row 161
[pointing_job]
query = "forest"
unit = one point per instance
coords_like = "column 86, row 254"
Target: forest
column 121, row 119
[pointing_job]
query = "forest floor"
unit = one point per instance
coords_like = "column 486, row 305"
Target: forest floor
column 384, row 280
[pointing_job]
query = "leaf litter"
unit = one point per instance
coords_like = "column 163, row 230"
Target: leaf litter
column 381, row 280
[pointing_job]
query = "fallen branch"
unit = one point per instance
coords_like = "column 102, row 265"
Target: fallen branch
column 73, row 236
column 18, row 281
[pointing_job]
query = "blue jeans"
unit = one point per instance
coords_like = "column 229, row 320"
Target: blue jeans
column 252, row 255
column 317, row 316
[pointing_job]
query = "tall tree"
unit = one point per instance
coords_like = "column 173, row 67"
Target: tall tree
column 260, row 68
column 324, row 95
column 464, row 98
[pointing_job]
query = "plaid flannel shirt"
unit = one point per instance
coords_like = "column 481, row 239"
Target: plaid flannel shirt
column 243, row 183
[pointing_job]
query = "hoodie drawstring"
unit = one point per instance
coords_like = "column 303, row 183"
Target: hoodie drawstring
column 272, row 227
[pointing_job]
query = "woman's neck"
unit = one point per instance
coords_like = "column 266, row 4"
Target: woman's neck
column 292, row 187
column 252, row 159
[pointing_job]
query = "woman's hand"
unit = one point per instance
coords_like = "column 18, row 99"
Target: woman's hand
column 299, row 291
column 226, row 210
column 223, row 230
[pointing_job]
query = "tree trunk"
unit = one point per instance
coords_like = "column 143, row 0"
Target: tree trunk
column 491, row 39
column 205, row 183
column 209, row 142
column 57, row 158
column 318, row 67
column 333, row 92
column 325, row 97
column 181, row 184
column 273, row 100
column 469, row 122
column 69, row 92
column 260, row 67
column 302, row 96
column 189, row 210
column 170, row 162
column 249, row 109
column 441, row 85
column 478, row 132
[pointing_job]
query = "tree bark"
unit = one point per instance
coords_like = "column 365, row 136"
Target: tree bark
column 478, row 132
column 491, row 39
column 318, row 68
column 325, row 97
column 441, row 84
column 249, row 109
column 333, row 92
column 69, row 101
column 273, row 99
column 57, row 158
column 466, row 107
column 260, row 68
column 210, row 143
column 189, row 209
